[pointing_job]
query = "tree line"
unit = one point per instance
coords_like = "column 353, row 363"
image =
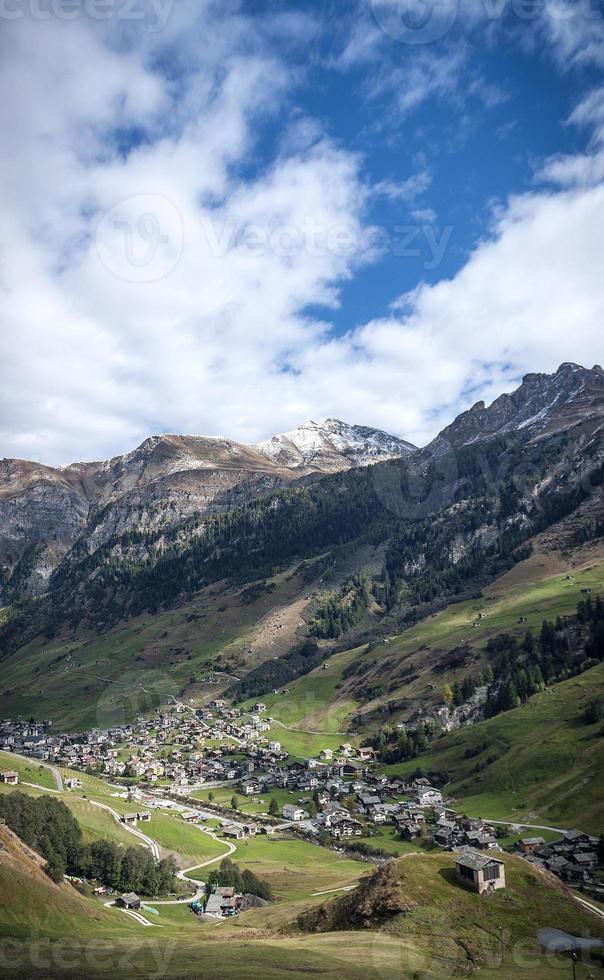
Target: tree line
column 49, row 827
column 245, row 882
column 341, row 610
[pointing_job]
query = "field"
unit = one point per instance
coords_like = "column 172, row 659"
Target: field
column 84, row 680
column 245, row 804
column 547, row 764
column 29, row 770
column 295, row 868
column 188, row 843
column 324, row 700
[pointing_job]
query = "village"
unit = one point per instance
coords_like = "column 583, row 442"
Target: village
column 187, row 760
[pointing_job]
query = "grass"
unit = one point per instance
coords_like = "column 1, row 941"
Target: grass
column 452, row 924
column 96, row 823
column 224, row 794
column 55, row 932
column 296, row 868
column 190, row 844
column 85, row 680
column 449, row 930
column 548, row 764
column 31, row 903
column 29, row 771
column 388, row 839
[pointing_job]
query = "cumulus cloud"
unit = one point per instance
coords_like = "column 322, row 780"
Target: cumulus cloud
column 529, row 297
column 163, row 261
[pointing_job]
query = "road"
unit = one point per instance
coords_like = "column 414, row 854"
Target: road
column 305, row 731
column 182, row 874
column 133, row 915
column 31, row 761
column 592, row 908
column 518, row 824
column 204, row 864
column 148, row 841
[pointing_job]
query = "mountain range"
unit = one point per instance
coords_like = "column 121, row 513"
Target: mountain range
column 171, row 479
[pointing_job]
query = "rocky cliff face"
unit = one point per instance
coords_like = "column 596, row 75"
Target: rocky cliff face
column 543, row 405
column 45, row 510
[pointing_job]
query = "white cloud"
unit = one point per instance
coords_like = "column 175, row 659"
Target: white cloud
column 95, row 355
column 581, row 169
column 221, row 341
column 529, row 298
column 404, row 190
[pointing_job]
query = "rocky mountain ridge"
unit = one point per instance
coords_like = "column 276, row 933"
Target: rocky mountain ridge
column 333, row 445
column 541, row 406
column 168, row 478
column 171, row 480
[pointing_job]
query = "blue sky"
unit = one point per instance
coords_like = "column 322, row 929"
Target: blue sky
column 229, row 218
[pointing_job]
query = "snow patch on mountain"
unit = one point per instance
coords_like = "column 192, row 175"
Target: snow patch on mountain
column 333, row 445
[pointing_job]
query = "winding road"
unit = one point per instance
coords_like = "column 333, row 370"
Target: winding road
column 147, row 841
column 305, row 731
column 45, row 765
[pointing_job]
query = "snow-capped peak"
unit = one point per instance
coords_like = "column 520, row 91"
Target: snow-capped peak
column 332, row 445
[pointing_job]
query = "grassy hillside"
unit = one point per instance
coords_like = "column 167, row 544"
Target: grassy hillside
column 450, row 930
column 296, row 869
column 186, row 842
column 55, row 932
column 135, row 667
column 408, row 671
column 548, row 765
column 32, row 903
column 28, row 769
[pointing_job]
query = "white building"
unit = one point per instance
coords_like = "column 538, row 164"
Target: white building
column 291, row 812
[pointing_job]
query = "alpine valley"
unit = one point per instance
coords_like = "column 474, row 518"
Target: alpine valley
column 307, row 675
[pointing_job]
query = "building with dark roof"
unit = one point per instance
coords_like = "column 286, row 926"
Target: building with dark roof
column 480, row 872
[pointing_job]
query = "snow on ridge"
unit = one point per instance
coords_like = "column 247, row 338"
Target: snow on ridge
column 333, row 443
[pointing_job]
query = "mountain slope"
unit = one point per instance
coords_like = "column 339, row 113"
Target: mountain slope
column 333, row 446
column 542, row 406
column 167, row 479
column 34, row 906
column 426, row 529
column 541, row 762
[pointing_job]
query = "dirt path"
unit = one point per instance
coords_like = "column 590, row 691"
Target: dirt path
column 305, row 731
column 148, row 841
column 46, row 765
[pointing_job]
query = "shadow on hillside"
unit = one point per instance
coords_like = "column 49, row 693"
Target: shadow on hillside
column 449, row 875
